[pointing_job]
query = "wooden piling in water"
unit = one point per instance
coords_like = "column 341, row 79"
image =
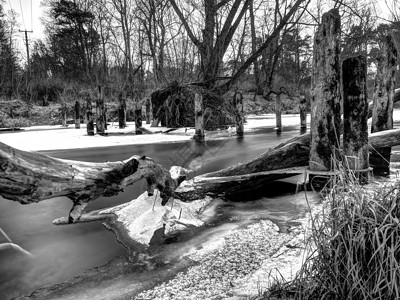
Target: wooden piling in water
column 325, row 89
column 355, row 116
column 239, row 112
column 148, row 110
column 303, row 113
column 278, row 112
column 89, row 116
column 198, row 117
column 77, row 114
column 64, row 114
column 382, row 107
column 138, row 118
column 100, row 113
column 122, row 110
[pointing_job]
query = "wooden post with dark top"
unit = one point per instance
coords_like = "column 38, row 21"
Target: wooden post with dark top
column 122, row 110
column 100, row 113
column 278, row 112
column 355, row 116
column 239, row 113
column 303, row 113
column 89, row 116
column 77, row 114
column 198, row 117
column 325, row 89
column 382, row 107
column 148, row 110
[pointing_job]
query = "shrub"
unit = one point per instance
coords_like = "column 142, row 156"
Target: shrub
column 356, row 246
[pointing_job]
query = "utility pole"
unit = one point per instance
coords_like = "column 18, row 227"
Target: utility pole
column 28, row 76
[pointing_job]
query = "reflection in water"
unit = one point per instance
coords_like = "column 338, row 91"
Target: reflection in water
column 61, row 252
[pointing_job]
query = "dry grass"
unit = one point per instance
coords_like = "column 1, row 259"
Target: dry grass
column 354, row 248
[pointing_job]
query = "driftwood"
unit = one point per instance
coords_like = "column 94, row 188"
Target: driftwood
column 32, row 177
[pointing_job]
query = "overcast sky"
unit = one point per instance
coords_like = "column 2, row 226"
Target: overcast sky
column 29, row 14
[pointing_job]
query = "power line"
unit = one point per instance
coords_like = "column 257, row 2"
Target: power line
column 22, row 13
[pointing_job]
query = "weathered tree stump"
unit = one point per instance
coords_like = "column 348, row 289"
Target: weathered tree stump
column 89, row 116
column 199, row 117
column 100, row 113
column 325, row 101
column 122, row 110
column 239, row 112
column 355, row 116
column 278, row 112
column 383, row 99
column 303, row 113
column 148, row 110
column 77, row 115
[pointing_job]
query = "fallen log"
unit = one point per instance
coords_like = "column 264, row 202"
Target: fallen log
column 32, row 177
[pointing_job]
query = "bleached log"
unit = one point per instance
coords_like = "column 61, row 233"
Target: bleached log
column 31, row 177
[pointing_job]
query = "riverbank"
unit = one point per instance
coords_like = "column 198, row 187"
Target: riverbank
column 240, row 264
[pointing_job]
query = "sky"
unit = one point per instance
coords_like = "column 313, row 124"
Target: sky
column 30, row 12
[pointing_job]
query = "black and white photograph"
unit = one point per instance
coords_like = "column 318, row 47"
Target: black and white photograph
column 199, row 149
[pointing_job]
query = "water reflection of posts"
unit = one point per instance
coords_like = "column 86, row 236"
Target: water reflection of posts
column 355, row 116
column 198, row 117
column 239, row 112
column 382, row 108
column 77, row 114
column 89, row 116
column 303, row 114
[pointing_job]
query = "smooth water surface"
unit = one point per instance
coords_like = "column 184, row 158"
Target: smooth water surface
column 61, row 252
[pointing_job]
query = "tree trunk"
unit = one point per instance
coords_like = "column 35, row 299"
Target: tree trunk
column 383, row 99
column 239, row 114
column 77, row 115
column 100, row 113
column 138, row 120
column 355, row 116
column 122, row 110
column 198, row 117
column 325, row 102
column 89, row 116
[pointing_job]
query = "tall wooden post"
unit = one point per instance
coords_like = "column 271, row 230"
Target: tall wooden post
column 278, row 112
column 100, row 113
column 198, row 117
column 382, row 107
column 138, row 117
column 89, row 116
column 239, row 112
column 325, row 89
column 303, row 113
column 122, row 110
column 355, row 116
column 148, row 109
column 77, row 114
column 64, row 113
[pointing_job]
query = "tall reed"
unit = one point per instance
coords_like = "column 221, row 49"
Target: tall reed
column 355, row 246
